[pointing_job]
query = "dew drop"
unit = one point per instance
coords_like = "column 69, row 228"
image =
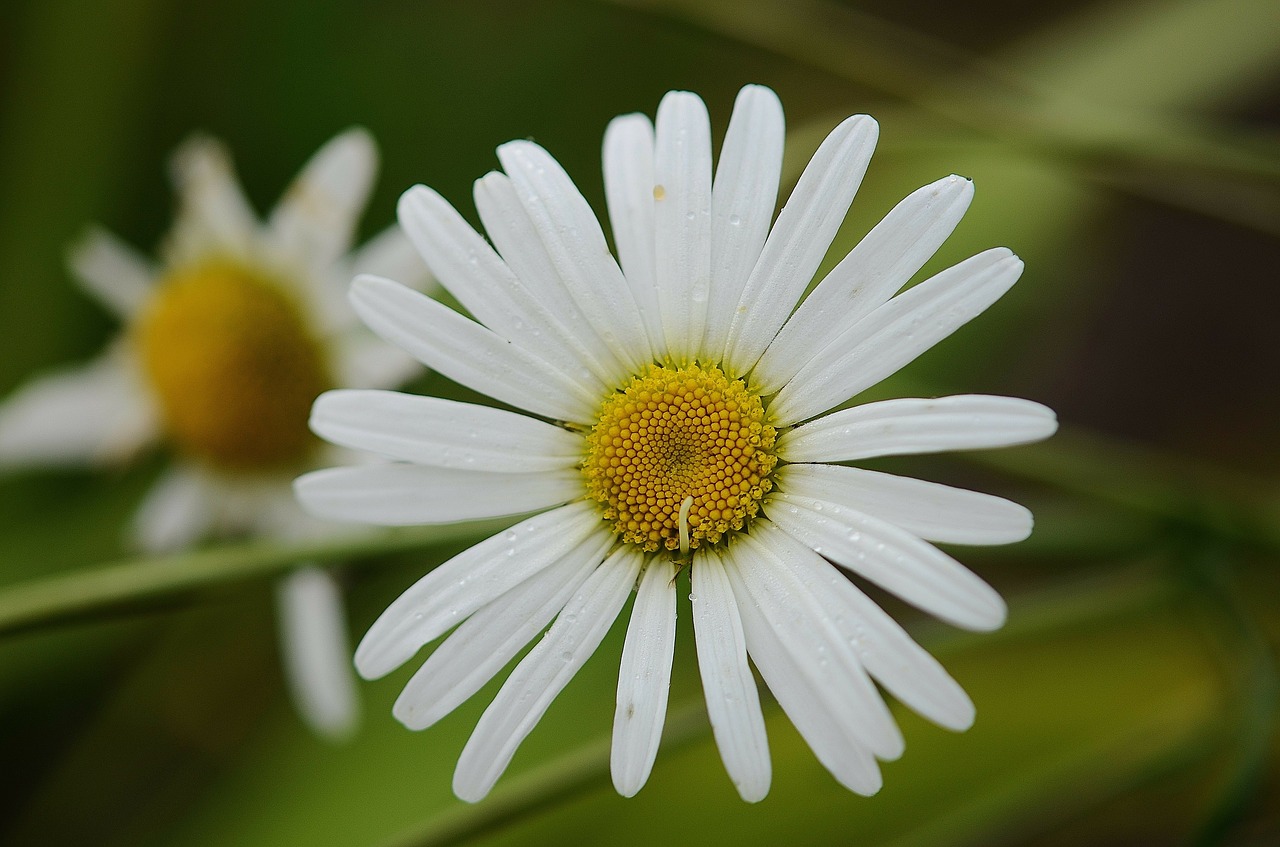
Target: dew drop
column 734, row 220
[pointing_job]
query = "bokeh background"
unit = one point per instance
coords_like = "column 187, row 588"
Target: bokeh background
column 1128, row 151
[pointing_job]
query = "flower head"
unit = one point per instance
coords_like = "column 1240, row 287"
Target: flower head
column 228, row 339
column 677, row 416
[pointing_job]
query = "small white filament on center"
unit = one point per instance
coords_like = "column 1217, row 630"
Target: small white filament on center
column 684, row 525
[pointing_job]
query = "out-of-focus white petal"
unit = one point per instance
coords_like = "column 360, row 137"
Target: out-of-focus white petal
column 391, row 254
column 682, row 221
column 466, row 352
column 576, row 246
column 742, row 201
column 91, row 414
column 316, row 218
column 799, row 239
column 905, row 426
column 316, row 651
column 826, row 734
column 443, row 433
column 474, row 577
column 484, row 643
column 407, row 495
column 733, row 703
column 111, row 271
column 628, row 191
column 177, row 512
column 644, row 678
column 213, row 214
column 892, row 558
column 896, row 333
column 544, row 673
column 882, row 263
column 363, row 360
column 932, row 511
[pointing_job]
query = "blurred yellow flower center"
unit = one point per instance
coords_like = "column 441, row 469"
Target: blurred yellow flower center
column 677, row 435
column 234, row 365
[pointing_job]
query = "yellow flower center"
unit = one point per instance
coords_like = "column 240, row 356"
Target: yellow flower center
column 234, row 365
column 678, row 437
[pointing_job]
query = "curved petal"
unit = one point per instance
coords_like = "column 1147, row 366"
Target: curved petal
column 826, row 734
column 743, row 198
column 94, row 413
column 896, row 333
column 884, row 648
column 932, row 511
column 467, row 353
column 682, row 221
column 905, row 426
column 883, row 262
column 467, row 266
column 544, row 673
column 628, row 191
column 316, row 651
column 733, row 703
column 483, row 644
column 474, row 577
column 893, row 558
column 800, row 238
column 213, row 214
column 576, row 246
column 443, row 433
column 644, row 678
column 408, row 495
column 111, row 271
column 315, row 220
column 816, row 649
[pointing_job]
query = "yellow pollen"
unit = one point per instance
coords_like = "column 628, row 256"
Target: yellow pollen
column 680, row 458
column 234, row 365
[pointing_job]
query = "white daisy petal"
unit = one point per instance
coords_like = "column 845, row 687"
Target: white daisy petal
column 316, row 651
column 644, row 678
column 90, row 414
column 177, row 512
column 884, row 648
column 443, row 433
column 932, row 511
column 316, row 218
column 113, row 272
column 483, row 644
column 733, row 703
column 799, row 239
column 743, row 198
column 213, row 213
column 628, row 190
column 816, row 648
column 467, row 353
column 906, row 426
column 469, row 268
column 892, row 558
column 543, row 674
column 468, row 581
column 826, row 734
column 682, row 221
column 363, row 360
column 391, row 254
column 896, row 333
column 873, row 271
column 407, row 495
column 576, row 246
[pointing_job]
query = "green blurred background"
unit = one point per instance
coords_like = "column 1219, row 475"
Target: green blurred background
column 1128, row 151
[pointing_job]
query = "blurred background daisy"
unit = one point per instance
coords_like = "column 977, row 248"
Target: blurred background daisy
column 1126, row 151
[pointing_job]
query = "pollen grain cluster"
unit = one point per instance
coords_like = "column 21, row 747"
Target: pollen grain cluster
column 676, row 433
column 233, row 365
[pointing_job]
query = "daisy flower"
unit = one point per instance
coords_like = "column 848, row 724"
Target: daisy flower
column 227, row 341
column 676, row 416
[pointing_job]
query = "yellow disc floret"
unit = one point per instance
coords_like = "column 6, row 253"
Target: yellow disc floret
column 234, row 365
column 674, row 434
